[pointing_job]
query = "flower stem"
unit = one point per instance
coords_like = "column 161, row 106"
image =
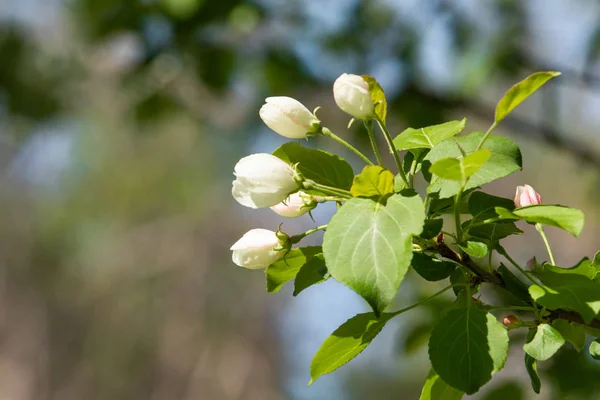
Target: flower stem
column 540, row 229
column 323, row 199
column 411, row 173
column 369, row 127
column 422, row 301
column 329, row 190
column 328, row 133
column 487, row 134
column 390, row 143
column 296, row 238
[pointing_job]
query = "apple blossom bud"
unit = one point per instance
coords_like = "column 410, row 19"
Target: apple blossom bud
column 531, row 264
column 351, row 94
column 527, row 196
column 256, row 249
column 263, row 180
column 510, row 321
column 288, row 117
column 295, row 205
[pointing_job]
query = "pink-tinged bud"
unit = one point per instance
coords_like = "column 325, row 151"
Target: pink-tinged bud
column 510, row 321
column 531, row 264
column 475, row 300
column 527, row 196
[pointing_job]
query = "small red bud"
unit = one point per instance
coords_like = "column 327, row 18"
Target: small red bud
column 510, row 320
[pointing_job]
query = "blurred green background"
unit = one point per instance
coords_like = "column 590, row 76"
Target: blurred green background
column 120, row 124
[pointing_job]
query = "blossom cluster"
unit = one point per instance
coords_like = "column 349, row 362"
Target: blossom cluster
column 264, row 180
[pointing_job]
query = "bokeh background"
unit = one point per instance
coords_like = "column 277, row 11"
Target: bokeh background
column 120, row 124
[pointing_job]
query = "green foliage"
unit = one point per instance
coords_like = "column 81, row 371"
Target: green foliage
column 360, row 251
column 378, row 96
column 505, row 159
column 545, row 343
column 595, row 349
column 475, row 249
column 346, row 342
column 482, row 205
column 311, row 273
column 519, row 92
column 373, row 181
column 382, row 226
column 466, row 347
column 432, row 228
column 436, row 389
column 571, row 332
column 317, row 165
column 432, row 268
column 568, row 291
column 428, row 137
column 460, row 170
column 286, row 269
column 534, row 376
column 568, row 219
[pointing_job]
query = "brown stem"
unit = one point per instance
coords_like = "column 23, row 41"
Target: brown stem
column 494, row 278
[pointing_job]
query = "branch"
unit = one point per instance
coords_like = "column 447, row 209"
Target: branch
column 494, row 278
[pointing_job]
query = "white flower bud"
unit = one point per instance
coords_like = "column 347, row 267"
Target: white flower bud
column 262, row 180
column 288, row 117
column 351, row 94
column 295, row 205
column 256, row 249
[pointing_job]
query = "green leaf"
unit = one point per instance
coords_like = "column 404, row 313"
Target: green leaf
column 311, row 273
column 475, row 249
column 573, row 333
column 286, row 269
column 568, row 291
column 346, row 342
column 368, row 245
column 373, row 181
column 505, row 159
column 514, row 286
column 546, row 342
column 378, row 96
column 439, row 206
column 482, row 205
column 460, row 170
column 467, row 346
column 568, row 219
column 428, row 137
column 432, row 228
column 492, row 233
column 584, row 267
column 436, row 389
column 432, row 268
column 534, row 376
column 317, row 165
column 595, row 349
column 519, row 92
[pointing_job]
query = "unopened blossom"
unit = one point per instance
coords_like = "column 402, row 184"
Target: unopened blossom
column 351, row 94
column 263, row 180
column 256, row 249
column 526, row 196
column 295, row 205
column 288, row 117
